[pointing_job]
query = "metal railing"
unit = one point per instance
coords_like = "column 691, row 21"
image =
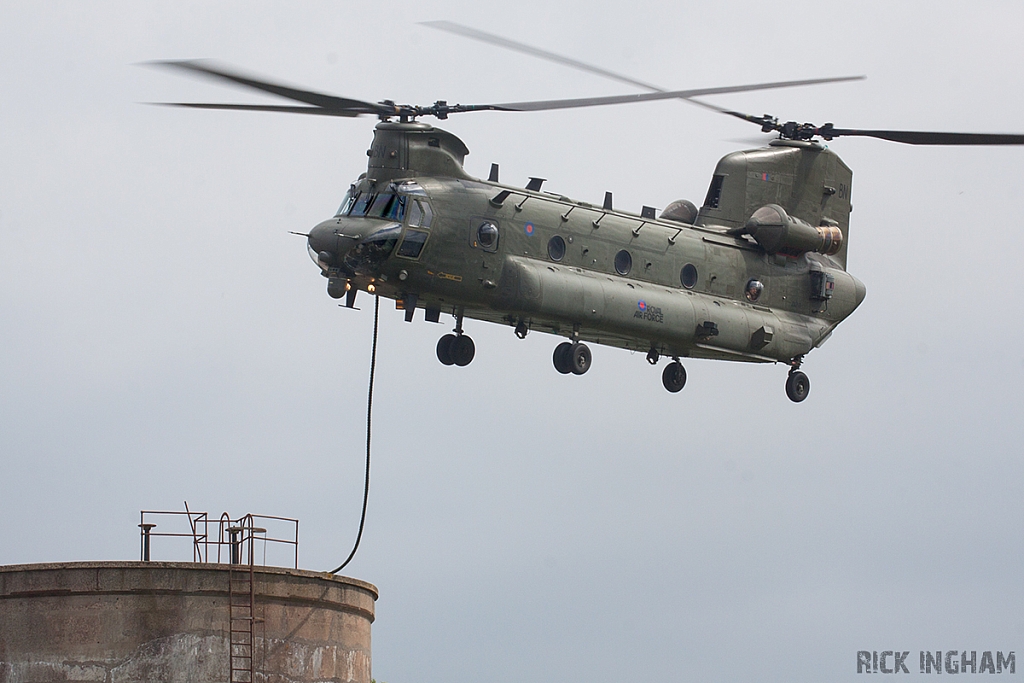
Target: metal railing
column 226, row 538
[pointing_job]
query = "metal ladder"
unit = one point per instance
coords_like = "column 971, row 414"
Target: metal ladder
column 241, row 609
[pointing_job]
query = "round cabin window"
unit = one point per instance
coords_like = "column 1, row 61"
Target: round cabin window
column 623, row 262
column 556, row 248
column 487, row 234
column 754, row 289
column 688, row 276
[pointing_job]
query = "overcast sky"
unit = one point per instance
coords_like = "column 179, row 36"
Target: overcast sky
column 163, row 338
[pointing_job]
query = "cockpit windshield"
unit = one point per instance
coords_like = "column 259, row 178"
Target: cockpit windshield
column 347, row 202
column 373, row 205
column 360, row 204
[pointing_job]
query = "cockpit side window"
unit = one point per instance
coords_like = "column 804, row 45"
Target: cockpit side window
column 396, row 210
column 418, row 231
column 415, row 214
column 419, row 214
column 413, row 243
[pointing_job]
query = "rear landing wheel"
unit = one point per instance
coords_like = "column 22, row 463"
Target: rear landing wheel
column 579, row 358
column 674, row 376
column 561, row 358
column 797, row 386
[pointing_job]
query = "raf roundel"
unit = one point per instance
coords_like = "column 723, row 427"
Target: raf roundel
column 528, row 229
column 642, row 305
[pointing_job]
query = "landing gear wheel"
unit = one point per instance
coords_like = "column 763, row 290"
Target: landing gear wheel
column 674, row 376
column 797, row 386
column 561, row 358
column 463, row 350
column 579, row 358
column 444, row 349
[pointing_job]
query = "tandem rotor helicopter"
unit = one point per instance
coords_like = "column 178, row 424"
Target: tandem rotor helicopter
column 756, row 274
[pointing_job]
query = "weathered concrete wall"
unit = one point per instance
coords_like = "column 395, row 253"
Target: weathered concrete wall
column 168, row 622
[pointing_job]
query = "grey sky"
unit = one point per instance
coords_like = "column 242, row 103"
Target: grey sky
column 163, row 337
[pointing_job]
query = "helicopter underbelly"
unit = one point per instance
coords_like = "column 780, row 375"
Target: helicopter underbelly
column 619, row 312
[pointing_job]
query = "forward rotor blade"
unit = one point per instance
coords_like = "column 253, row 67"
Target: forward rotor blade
column 319, row 111
column 330, row 102
column 491, row 39
column 331, row 105
column 730, row 112
column 647, row 97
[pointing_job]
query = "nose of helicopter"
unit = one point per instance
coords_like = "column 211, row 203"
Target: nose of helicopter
column 330, row 240
column 323, row 240
column 353, row 245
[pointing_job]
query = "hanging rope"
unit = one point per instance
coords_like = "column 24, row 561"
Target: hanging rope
column 369, row 412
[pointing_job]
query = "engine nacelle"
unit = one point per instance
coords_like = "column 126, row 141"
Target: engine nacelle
column 779, row 233
column 681, row 210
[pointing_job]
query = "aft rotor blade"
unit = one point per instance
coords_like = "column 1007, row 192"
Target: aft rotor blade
column 910, row 137
column 319, row 111
column 323, row 100
column 926, row 137
column 647, row 97
column 492, row 39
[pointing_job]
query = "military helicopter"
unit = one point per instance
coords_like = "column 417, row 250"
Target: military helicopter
column 756, row 274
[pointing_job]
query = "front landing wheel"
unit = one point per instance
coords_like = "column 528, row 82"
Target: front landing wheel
column 797, row 386
column 463, row 350
column 444, row 349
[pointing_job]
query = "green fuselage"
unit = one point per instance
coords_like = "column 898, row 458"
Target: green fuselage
column 419, row 230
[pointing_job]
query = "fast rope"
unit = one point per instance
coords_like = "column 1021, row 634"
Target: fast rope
column 369, row 412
